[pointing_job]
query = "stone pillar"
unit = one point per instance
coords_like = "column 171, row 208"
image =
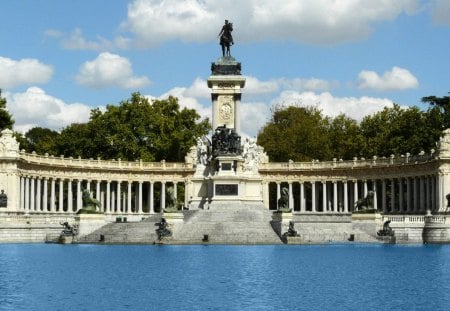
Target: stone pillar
column 433, row 193
column 52, row 196
column 365, row 188
column 38, row 194
column 400, row 195
column 108, row 197
column 32, row 195
column 129, row 209
column 302, row 197
column 97, row 190
column 278, row 192
column 415, row 190
column 375, row 199
column 45, row 196
column 22, row 193
column 151, row 198
column 27, row 194
column 408, row 195
column 392, row 195
column 383, row 196
column 163, row 196
column 113, row 201
column 79, row 199
column 355, row 192
column 139, row 209
column 422, row 194
column 291, row 196
column 313, row 196
column 118, row 197
column 324, row 196
column 69, row 196
column 61, row 196
column 335, row 197
column 88, row 186
column 345, row 196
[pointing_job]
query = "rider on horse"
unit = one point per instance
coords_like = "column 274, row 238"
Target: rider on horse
column 226, row 39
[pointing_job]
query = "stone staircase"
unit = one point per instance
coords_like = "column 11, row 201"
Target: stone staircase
column 227, row 224
column 142, row 232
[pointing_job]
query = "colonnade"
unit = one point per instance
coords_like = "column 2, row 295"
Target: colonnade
column 60, row 195
column 415, row 194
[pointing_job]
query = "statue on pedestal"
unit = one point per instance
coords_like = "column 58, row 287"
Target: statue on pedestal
column 3, row 199
column 226, row 39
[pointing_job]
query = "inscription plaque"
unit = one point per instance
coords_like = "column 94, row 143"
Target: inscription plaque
column 227, row 189
column 226, row 166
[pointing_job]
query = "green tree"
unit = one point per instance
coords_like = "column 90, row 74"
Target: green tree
column 41, row 140
column 345, row 137
column 6, row 120
column 135, row 129
column 398, row 131
column 296, row 133
column 441, row 105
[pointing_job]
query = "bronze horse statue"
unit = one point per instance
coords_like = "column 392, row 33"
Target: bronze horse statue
column 226, row 39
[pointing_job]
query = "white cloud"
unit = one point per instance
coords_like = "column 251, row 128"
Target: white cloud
column 353, row 107
column 25, row 71
column 76, row 41
column 318, row 22
column 256, row 86
column 109, row 70
column 440, row 12
column 36, row 108
column 395, row 79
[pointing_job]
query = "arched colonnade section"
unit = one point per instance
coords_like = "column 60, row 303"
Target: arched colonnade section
column 55, row 185
column 398, row 186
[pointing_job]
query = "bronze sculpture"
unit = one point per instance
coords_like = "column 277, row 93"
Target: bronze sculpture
column 226, row 39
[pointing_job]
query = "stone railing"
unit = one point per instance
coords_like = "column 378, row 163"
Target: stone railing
column 405, row 219
column 102, row 164
column 350, row 164
column 435, row 219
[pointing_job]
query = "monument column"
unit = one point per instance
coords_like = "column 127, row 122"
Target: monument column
column 302, row 197
column 108, row 196
column 335, row 197
column 45, row 196
column 69, row 196
column 313, row 196
column 345, row 196
column 324, row 196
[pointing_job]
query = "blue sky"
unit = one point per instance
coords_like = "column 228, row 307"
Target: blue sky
column 59, row 59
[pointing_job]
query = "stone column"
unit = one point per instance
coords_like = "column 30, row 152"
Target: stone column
column 375, row 199
column 335, row 197
column 408, row 195
column 113, row 201
column 392, row 195
column 415, row 190
column 22, row 193
column 355, row 192
column 278, row 192
column 302, row 197
column 151, row 198
column 365, row 188
column 88, row 186
column 163, row 196
column 32, row 194
column 400, row 195
column 27, row 194
column 345, row 196
column 433, row 193
column 45, row 196
column 129, row 209
column 79, row 199
column 38, row 194
column 383, row 196
column 291, row 196
column 61, row 196
column 108, row 196
column 69, row 196
column 118, row 196
column 97, row 190
column 324, row 196
column 52, row 196
column 422, row 194
column 139, row 209
column 313, row 196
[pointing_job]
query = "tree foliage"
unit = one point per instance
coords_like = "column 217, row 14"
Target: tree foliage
column 296, row 133
column 134, row 129
column 6, row 120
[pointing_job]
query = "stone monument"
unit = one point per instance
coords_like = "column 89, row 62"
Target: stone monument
column 226, row 166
